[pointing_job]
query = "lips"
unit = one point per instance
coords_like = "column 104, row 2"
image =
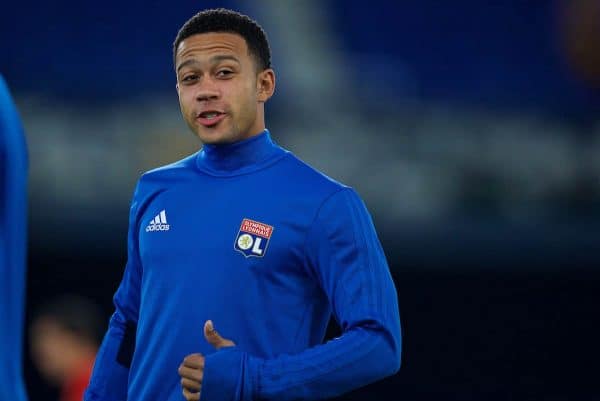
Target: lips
column 209, row 118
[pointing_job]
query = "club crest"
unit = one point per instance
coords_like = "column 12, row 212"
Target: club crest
column 253, row 238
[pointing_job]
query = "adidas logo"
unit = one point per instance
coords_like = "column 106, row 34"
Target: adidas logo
column 159, row 223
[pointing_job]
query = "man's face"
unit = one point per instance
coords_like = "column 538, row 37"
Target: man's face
column 221, row 94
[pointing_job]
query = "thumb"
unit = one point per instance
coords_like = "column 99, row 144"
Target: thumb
column 214, row 338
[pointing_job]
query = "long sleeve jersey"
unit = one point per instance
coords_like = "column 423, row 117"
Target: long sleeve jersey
column 13, row 230
column 266, row 247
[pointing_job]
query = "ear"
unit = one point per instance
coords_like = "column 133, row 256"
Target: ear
column 265, row 84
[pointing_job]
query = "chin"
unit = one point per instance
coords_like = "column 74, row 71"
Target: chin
column 216, row 138
column 211, row 139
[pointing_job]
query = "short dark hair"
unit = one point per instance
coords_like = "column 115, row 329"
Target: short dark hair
column 225, row 20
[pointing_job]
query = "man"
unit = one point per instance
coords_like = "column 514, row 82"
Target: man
column 244, row 237
column 64, row 340
column 13, row 231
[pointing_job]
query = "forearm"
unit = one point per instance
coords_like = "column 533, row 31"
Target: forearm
column 109, row 379
column 111, row 368
column 357, row 358
column 360, row 356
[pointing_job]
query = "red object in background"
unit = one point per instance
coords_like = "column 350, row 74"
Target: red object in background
column 75, row 386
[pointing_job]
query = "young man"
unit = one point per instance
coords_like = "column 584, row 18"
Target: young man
column 13, row 240
column 245, row 235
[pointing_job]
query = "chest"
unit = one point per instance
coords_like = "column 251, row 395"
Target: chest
column 224, row 233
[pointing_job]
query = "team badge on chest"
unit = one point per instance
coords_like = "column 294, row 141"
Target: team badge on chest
column 253, row 238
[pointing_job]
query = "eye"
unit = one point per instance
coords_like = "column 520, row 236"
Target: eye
column 190, row 78
column 224, row 73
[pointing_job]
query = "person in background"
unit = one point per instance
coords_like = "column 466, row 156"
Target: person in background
column 64, row 338
column 13, row 240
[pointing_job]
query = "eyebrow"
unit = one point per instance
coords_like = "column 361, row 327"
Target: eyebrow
column 213, row 60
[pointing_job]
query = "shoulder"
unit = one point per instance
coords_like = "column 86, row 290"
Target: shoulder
column 329, row 194
column 160, row 179
column 170, row 173
column 308, row 178
column 178, row 167
column 321, row 191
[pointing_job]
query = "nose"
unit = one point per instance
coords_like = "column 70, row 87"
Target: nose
column 207, row 90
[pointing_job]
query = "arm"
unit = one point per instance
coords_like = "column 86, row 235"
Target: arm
column 344, row 254
column 111, row 368
column 13, row 246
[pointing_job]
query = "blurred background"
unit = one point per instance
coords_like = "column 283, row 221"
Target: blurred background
column 470, row 128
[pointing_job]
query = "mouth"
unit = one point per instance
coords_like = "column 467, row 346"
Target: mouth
column 210, row 118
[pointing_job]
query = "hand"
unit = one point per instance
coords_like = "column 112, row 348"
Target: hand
column 191, row 369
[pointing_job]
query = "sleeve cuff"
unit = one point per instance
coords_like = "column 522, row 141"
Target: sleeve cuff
column 229, row 375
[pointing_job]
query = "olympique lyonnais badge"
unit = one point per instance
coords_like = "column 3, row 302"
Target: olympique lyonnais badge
column 253, row 238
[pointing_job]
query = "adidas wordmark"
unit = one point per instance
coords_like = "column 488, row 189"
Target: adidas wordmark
column 159, row 223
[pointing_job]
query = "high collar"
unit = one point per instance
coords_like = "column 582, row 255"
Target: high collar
column 238, row 157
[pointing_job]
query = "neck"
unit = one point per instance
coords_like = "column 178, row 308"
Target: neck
column 238, row 157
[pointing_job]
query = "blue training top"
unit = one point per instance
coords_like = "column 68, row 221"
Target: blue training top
column 13, row 240
column 249, row 236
